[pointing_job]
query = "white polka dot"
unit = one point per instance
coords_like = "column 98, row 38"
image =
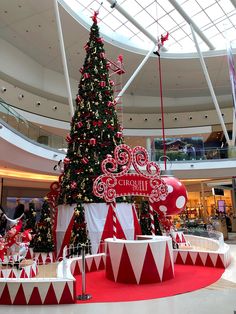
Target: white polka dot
column 179, row 183
column 180, row 202
column 163, row 208
column 170, row 188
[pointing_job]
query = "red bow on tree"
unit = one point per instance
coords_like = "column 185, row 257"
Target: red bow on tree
column 94, row 17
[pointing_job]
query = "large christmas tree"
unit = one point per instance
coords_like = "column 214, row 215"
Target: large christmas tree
column 95, row 132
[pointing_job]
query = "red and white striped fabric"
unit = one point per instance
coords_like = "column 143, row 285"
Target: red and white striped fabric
column 99, row 219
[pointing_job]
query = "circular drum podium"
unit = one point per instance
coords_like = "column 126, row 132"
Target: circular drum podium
column 149, row 259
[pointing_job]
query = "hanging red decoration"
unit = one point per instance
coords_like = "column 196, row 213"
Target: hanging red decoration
column 81, row 69
column 85, row 160
column 66, row 161
column 97, row 123
column 110, row 104
column 119, row 134
column 68, row 138
column 92, row 141
column 108, row 65
column 176, row 199
column 79, row 98
column 112, row 83
column 86, row 47
column 102, row 83
column 100, row 40
column 79, row 124
column 102, row 55
column 86, row 75
column 73, row 185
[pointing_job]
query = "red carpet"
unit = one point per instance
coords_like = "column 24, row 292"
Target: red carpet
column 187, row 278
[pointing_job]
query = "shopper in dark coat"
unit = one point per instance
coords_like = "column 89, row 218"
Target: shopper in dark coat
column 19, row 210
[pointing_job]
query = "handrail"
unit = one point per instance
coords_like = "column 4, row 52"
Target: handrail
column 30, row 130
column 203, row 154
column 39, row 135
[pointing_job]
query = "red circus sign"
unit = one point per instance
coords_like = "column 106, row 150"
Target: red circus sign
column 117, row 181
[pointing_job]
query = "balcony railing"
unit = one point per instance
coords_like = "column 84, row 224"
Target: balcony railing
column 201, row 154
column 37, row 134
column 30, row 130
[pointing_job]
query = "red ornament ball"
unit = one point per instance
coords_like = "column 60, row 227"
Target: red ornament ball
column 79, row 124
column 176, row 199
column 92, row 141
column 66, row 161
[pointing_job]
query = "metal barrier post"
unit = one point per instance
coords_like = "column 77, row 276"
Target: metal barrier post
column 83, row 296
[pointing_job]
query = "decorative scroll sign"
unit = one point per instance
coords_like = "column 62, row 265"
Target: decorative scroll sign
column 116, row 181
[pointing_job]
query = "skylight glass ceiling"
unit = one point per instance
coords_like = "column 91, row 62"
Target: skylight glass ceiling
column 215, row 18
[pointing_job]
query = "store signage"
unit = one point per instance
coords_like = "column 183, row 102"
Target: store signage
column 145, row 182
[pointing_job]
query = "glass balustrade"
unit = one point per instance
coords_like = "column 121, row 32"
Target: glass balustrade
column 30, row 130
column 39, row 135
column 207, row 153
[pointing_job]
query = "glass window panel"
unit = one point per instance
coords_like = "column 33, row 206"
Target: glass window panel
column 112, row 22
column 210, row 32
column 144, row 19
column 181, row 1
column 124, row 30
column 185, row 42
column 167, row 22
column 233, row 19
column 102, row 13
column 131, row 6
column 119, row 16
column 191, row 7
column 149, row 11
column 133, row 28
column 186, row 29
column 224, row 25
column 201, row 19
column 166, row 5
column 155, row 29
column 178, row 34
column 205, row 3
column 214, row 12
column 143, row 37
column 226, row 6
column 177, row 17
column 231, row 34
column 218, row 40
column 146, row 3
column 156, row 11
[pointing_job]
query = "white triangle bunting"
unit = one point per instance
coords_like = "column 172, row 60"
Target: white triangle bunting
column 137, row 252
column 159, row 252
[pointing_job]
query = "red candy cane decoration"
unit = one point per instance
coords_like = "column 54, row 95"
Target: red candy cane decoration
column 114, row 218
column 152, row 219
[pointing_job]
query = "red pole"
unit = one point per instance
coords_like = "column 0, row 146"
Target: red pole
column 162, row 112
